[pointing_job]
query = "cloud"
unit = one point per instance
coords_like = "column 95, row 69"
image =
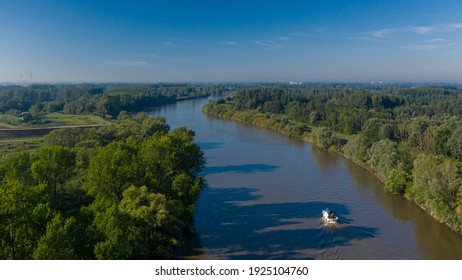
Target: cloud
column 284, row 38
column 301, row 34
column 130, row 63
column 315, row 32
column 457, row 25
column 174, row 42
column 169, row 43
column 152, row 55
column 379, row 34
column 262, row 43
column 424, row 47
column 435, row 40
column 421, row 29
column 268, row 45
column 386, row 33
column 180, row 59
column 229, row 43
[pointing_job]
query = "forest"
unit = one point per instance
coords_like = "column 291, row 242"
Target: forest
column 125, row 190
column 410, row 137
column 100, row 99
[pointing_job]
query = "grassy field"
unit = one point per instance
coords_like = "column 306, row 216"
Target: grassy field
column 57, row 119
column 18, row 137
column 9, row 146
column 52, row 119
column 9, row 121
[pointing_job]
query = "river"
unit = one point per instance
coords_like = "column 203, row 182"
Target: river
column 265, row 193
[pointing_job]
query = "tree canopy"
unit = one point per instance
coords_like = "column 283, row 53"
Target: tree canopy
column 126, row 191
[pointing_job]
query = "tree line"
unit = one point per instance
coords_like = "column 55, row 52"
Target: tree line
column 124, row 191
column 411, row 137
column 101, row 99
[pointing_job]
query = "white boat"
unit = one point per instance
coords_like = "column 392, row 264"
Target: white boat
column 329, row 216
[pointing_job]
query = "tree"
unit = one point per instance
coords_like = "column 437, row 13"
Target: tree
column 112, row 169
column 326, row 138
column 152, row 125
column 315, row 117
column 455, row 144
column 357, row 147
column 372, row 129
column 17, row 167
column 109, row 104
column 383, row 157
column 156, row 220
column 60, row 240
column 67, row 137
column 397, row 181
column 24, row 211
column 118, row 234
column 436, row 186
column 144, row 225
column 53, row 166
column 165, row 156
column 387, row 131
column 441, row 140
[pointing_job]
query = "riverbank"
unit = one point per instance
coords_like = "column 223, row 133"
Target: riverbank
column 324, row 138
column 286, row 127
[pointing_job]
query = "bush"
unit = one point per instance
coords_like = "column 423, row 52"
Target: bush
column 357, row 148
column 397, row 181
column 325, row 138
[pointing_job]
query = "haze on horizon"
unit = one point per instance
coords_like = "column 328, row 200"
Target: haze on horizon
column 231, row 41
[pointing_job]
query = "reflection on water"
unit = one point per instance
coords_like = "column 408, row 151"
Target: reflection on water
column 266, row 231
column 435, row 240
column 265, row 193
column 243, row 169
column 210, row 145
column 326, row 161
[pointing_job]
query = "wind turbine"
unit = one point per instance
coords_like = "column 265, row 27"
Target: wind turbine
column 30, row 76
column 22, row 79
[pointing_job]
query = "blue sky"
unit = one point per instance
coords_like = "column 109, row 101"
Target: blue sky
column 228, row 41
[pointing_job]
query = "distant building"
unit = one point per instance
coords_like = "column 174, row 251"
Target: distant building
column 295, row 83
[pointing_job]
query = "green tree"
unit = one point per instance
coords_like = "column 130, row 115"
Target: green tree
column 60, row 240
column 109, row 104
column 165, row 156
column 326, row 138
column 372, row 129
column 24, row 211
column 144, row 225
column 53, row 166
column 315, row 117
column 156, row 220
column 17, row 167
column 397, row 181
column 441, row 140
column 67, row 137
column 436, row 186
column 112, row 169
column 357, row 147
column 118, row 234
column 383, row 157
column 455, row 144
column 387, row 131
column 171, row 165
